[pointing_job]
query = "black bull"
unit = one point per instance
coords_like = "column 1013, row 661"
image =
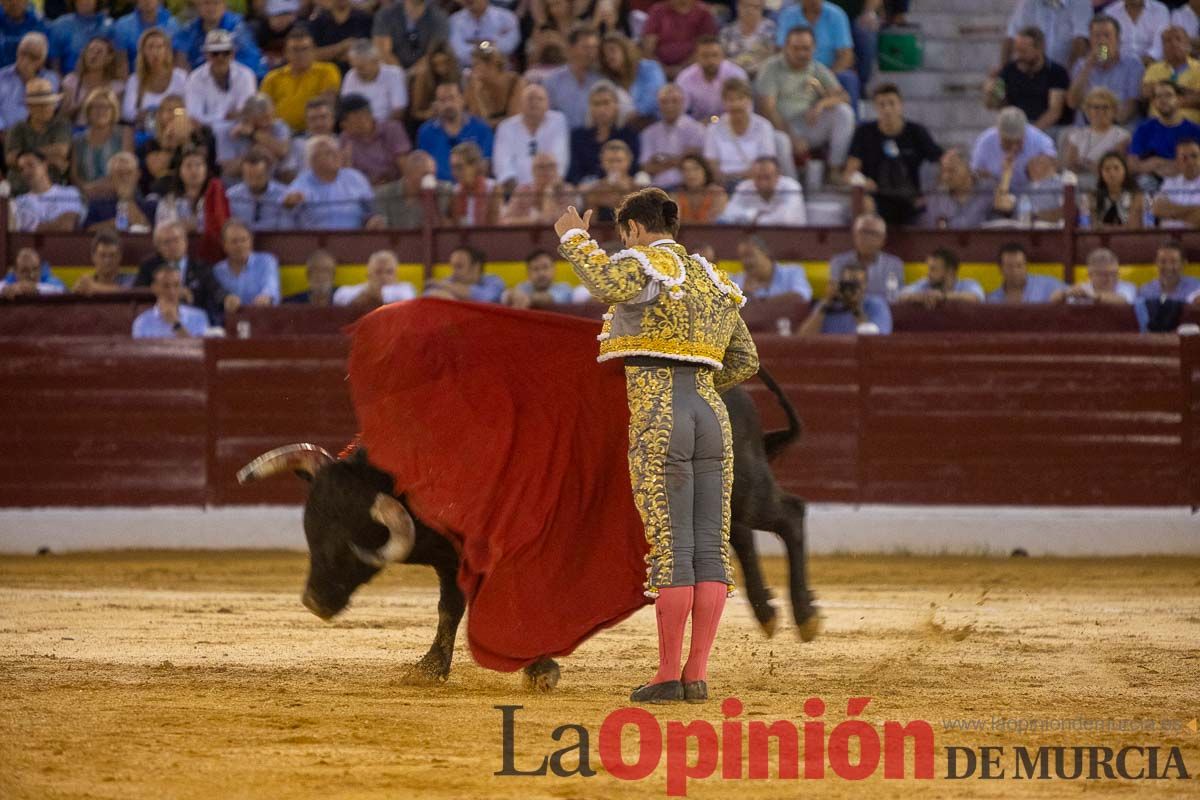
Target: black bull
column 355, row 526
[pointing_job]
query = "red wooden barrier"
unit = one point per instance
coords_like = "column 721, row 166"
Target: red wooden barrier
column 934, row 419
column 97, row 421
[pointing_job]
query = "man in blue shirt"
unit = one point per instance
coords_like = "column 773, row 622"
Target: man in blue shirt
column 70, row 33
column 129, row 29
column 30, row 64
column 467, row 280
column 1011, row 141
column 1017, row 285
column 540, row 290
column 1171, row 283
column 451, row 126
column 847, row 308
column 17, row 18
column 189, row 41
column 169, row 317
column 258, row 199
column 328, row 195
column 251, row 277
column 761, row 277
column 942, row 283
column 569, row 85
column 1152, row 151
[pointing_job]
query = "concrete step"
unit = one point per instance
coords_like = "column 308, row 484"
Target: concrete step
column 961, row 55
column 962, row 8
column 930, row 84
column 979, row 23
column 939, row 114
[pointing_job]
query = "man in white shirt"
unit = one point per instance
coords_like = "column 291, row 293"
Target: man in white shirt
column 1188, row 18
column 666, row 142
column 216, row 91
column 1178, row 202
column 733, row 142
column 1142, row 23
column 1064, row 23
column 384, row 85
column 382, row 286
column 46, row 207
column 537, row 129
column 766, row 198
column 480, row 21
column 702, row 81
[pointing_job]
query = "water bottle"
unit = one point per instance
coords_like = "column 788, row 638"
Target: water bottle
column 122, row 215
column 1025, row 211
column 1148, row 220
column 1085, row 215
column 893, row 287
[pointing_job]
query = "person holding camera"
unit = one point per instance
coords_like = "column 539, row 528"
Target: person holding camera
column 846, row 307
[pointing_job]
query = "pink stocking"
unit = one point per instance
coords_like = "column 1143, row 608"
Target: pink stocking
column 706, row 617
column 671, row 609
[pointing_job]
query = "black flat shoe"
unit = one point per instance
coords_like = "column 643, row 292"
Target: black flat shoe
column 695, row 691
column 665, row 692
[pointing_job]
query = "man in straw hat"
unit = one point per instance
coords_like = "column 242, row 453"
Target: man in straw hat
column 43, row 132
column 30, row 64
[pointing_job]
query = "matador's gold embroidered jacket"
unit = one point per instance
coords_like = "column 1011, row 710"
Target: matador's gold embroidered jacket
column 666, row 303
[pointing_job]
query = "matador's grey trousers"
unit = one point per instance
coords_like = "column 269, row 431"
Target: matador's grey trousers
column 681, row 467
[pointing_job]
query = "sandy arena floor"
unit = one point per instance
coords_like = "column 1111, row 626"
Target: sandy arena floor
column 199, row 675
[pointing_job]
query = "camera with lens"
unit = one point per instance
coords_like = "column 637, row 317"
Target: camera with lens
column 847, row 291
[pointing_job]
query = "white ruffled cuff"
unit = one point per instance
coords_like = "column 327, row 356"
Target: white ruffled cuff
column 573, row 232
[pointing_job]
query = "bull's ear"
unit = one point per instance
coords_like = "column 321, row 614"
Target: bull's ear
column 401, row 533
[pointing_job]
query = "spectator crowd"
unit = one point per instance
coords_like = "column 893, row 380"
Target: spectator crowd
column 222, row 119
column 367, row 113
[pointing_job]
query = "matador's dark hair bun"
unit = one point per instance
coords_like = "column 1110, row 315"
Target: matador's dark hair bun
column 653, row 209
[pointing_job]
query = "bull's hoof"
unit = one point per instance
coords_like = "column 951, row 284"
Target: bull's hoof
column 542, row 676
column 427, row 671
column 809, row 627
column 768, row 619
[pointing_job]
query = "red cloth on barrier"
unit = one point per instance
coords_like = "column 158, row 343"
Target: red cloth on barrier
column 505, row 435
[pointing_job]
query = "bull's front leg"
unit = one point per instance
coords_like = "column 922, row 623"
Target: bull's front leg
column 435, row 665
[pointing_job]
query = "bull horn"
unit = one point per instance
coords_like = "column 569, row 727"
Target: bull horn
column 303, row 459
column 391, row 513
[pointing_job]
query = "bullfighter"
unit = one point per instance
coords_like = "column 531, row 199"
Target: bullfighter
column 674, row 320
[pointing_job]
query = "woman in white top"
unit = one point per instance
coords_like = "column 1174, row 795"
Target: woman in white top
column 733, row 142
column 154, row 77
column 1084, row 147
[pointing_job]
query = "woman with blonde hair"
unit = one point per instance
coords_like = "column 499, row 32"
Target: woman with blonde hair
column 1084, row 147
column 493, row 90
column 622, row 63
column 154, row 77
column 98, row 67
column 103, row 137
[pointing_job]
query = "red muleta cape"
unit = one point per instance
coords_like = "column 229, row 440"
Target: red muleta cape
column 506, row 436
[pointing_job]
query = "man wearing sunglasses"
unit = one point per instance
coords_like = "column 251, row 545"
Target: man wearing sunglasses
column 217, row 90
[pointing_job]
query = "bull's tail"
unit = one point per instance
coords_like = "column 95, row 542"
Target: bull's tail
column 776, row 442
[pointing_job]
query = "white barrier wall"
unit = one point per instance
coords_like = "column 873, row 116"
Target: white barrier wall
column 831, row 528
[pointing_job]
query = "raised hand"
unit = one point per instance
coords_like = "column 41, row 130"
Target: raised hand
column 570, row 219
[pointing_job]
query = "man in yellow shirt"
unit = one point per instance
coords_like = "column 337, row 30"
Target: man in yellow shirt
column 1179, row 68
column 301, row 79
